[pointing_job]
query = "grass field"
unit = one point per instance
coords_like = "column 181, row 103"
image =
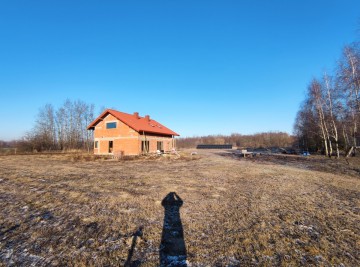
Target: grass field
column 79, row 210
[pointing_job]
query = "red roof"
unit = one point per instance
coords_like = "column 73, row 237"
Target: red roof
column 139, row 124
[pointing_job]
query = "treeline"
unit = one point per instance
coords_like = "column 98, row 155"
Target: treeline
column 63, row 128
column 329, row 118
column 267, row 139
column 4, row 144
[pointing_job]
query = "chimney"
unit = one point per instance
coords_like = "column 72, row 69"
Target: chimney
column 147, row 117
column 136, row 115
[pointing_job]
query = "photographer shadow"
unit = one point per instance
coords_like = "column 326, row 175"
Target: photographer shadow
column 172, row 247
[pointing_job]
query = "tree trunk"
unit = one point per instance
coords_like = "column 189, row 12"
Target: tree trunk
column 337, row 150
column 330, row 147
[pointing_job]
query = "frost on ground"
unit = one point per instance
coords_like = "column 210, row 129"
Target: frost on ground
column 60, row 210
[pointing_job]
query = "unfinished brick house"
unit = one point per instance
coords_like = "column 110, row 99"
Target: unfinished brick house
column 118, row 133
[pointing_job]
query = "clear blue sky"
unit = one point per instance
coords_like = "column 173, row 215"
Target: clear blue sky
column 199, row 67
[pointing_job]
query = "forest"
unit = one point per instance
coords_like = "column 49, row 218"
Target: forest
column 329, row 117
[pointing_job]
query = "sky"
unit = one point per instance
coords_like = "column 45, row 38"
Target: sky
column 198, row 67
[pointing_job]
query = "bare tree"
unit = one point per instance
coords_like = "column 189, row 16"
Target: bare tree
column 88, row 118
column 44, row 128
column 349, row 80
column 332, row 106
column 316, row 101
column 60, row 119
column 331, row 94
column 64, row 128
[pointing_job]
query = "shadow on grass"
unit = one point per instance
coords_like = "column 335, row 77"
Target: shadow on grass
column 11, row 229
column 172, row 247
column 129, row 263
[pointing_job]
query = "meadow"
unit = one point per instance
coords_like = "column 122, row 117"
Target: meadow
column 269, row 210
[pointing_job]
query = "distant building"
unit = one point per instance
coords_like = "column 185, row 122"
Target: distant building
column 118, row 133
column 208, row 146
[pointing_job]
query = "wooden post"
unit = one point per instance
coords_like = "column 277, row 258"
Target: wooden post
column 173, row 142
column 146, row 147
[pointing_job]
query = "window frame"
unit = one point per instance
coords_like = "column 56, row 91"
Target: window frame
column 111, row 123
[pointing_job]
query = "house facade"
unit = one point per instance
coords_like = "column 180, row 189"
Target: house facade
column 119, row 133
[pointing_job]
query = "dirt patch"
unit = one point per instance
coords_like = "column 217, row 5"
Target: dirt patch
column 260, row 211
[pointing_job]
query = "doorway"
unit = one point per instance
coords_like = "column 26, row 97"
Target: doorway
column 110, row 146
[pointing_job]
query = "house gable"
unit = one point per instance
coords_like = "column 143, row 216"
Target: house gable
column 121, row 130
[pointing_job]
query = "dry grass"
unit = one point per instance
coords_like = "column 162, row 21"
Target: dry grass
column 83, row 210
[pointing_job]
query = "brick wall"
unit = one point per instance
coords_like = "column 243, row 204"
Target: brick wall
column 125, row 140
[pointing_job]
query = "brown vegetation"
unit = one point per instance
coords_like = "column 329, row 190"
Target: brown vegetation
column 65, row 210
column 266, row 139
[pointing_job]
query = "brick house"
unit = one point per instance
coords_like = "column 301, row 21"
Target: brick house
column 118, row 133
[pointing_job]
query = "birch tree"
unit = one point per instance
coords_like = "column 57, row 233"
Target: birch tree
column 349, row 79
column 316, row 100
column 331, row 94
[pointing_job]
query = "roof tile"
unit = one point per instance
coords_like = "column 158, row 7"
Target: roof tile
column 136, row 122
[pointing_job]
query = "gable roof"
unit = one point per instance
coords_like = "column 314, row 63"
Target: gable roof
column 134, row 121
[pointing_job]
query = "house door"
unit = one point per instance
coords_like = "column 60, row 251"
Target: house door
column 160, row 146
column 110, row 146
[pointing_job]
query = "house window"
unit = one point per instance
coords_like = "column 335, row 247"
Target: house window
column 145, row 146
column 160, row 146
column 110, row 125
column 96, row 144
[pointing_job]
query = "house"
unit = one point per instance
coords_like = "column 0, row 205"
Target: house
column 119, row 133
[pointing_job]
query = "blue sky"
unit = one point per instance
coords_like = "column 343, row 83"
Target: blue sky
column 199, row 67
